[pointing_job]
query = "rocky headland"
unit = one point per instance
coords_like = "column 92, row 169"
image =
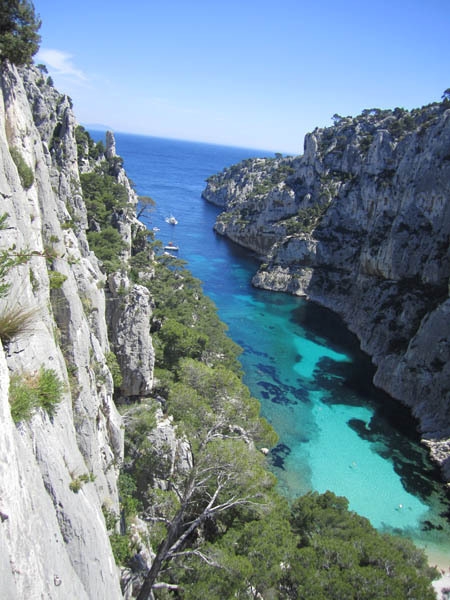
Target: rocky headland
column 360, row 223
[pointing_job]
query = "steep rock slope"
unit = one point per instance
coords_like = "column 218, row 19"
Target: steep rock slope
column 361, row 224
column 58, row 472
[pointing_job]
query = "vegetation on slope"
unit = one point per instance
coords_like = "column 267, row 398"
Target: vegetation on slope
column 104, row 198
column 220, row 528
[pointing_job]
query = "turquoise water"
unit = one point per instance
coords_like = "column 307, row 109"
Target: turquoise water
column 335, row 430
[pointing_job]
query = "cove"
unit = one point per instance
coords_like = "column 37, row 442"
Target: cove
column 336, row 431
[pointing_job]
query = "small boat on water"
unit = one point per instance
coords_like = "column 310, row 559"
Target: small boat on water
column 171, row 220
column 155, row 228
column 171, row 246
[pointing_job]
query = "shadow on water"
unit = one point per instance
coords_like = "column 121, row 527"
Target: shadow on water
column 276, row 391
column 279, row 455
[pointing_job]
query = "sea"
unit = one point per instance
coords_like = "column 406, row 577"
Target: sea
column 336, row 430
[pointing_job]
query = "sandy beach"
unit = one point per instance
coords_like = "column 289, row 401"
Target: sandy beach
column 442, row 562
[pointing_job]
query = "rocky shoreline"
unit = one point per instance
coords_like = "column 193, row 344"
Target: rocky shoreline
column 360, row 223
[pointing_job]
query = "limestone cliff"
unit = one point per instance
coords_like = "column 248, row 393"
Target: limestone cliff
column 58, row 472
column 360, row 223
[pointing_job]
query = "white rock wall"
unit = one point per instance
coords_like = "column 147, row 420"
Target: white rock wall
column 55, row 539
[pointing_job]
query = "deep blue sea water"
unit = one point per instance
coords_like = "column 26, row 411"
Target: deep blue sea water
column 336, row 431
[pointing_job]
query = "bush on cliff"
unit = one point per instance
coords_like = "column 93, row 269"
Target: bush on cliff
column 30, row 391
column 25, row 172
column 107, row 245
column 104, row 197
column 87, row 149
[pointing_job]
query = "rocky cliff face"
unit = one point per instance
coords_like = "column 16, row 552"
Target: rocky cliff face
column 58, row 472
column 360, row 223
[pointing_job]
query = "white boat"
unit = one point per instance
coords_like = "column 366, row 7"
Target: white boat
column 171, row 246
column 155, row 228
column 171, row 219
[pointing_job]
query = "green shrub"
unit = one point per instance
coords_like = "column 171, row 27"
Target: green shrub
column 8, row 259
column 120, row 545
column 29, row 391
column 22, row 399
column 25, row 173
column 56, row 279
column 163, row 381
column 114, row 367
column 189, row 321
column 338, row 547
column 306, row 220
column 127, row 490
column 179, row 341
column 50, row 253
column 365, row 143
column 49, row 390
column 87, row 148
column 77, row 482
column 262, row 187
column 75, row 485
column 103, row 195
column 107, row 245
column 141, row 419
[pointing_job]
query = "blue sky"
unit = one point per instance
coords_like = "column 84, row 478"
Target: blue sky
column 251, row 73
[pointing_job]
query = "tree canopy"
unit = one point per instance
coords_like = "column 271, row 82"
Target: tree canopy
column 19, row 25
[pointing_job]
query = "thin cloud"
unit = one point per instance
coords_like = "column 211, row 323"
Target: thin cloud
column 61, row 63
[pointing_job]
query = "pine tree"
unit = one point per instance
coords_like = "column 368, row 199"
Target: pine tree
column 19, row 25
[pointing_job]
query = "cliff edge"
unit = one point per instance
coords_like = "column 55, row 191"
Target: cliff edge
column 61, row 437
